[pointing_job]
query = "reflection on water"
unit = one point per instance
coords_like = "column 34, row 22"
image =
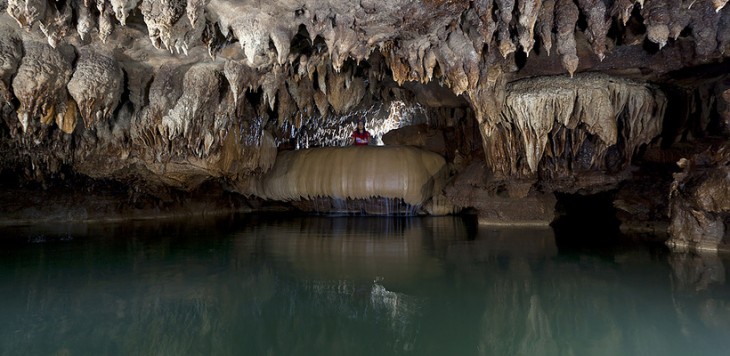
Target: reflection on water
column 321, row 285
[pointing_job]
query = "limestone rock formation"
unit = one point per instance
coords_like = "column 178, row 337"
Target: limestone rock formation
column 569, row 125
column 700, row 202
column 40, row 84
column 96, row 86
column 407, row 173
column 543, row 95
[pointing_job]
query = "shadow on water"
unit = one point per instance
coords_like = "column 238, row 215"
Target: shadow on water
column 292, row 285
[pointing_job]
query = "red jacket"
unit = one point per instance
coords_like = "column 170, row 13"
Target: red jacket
column 361, row 139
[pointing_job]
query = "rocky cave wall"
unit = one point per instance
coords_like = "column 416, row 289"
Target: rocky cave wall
column 166, row 95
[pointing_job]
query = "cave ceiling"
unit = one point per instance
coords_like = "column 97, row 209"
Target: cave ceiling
column 121, row 88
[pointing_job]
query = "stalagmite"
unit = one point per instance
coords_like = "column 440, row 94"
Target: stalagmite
column 40, row 83
column 566, row 15
column 96, row 86
column 408, row 173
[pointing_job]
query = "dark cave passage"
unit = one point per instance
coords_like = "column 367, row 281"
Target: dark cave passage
column 586, row 220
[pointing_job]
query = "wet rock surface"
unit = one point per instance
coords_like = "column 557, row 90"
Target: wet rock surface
column 700, row 202
column 543, row 97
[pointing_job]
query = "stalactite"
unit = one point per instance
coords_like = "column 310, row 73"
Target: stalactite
column 27, row 12
column 719, row 4
column 656, row 18
column 40, row 83
column 167, row 26
column 96, row 86
column 85, row 22
column 704, row 21
column 678, row 18
column 505, row 8
column 56, row 23
column 241, row 78
column 566, row 16
column 459, row 62
column 121, row 9
column 344, row 91
column 286, row 105
column 545, row 24
column 484, row 9
column 622, row 9
column 270, row 84
column 303, row 93
column 723, row 33
column 195, row 10
column 598, row 24
column 11, row 51
column 536, row 110
column 528, row 12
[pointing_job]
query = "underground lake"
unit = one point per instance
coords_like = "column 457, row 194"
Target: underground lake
column 356, row 285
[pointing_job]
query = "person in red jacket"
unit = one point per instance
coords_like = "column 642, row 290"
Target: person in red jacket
column 360, row 137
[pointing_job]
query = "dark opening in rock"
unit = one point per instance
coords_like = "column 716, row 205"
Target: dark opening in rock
column 585, row 220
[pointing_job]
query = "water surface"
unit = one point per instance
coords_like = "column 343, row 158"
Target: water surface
column 263, row 285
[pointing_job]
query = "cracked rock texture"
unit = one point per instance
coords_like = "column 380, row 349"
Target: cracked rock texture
column 543, row 95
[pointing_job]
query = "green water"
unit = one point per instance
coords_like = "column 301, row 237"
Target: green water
column 349, row 286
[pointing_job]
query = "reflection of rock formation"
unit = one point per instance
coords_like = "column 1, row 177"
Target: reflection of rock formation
column 362, row 248
column 696, row 272
column 696, row 280
column 282, row 286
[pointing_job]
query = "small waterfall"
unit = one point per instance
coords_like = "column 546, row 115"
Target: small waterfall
column 374, row 206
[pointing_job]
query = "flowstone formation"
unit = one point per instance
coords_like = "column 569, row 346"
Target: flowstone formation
column 398, row 172
column 522, row 99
